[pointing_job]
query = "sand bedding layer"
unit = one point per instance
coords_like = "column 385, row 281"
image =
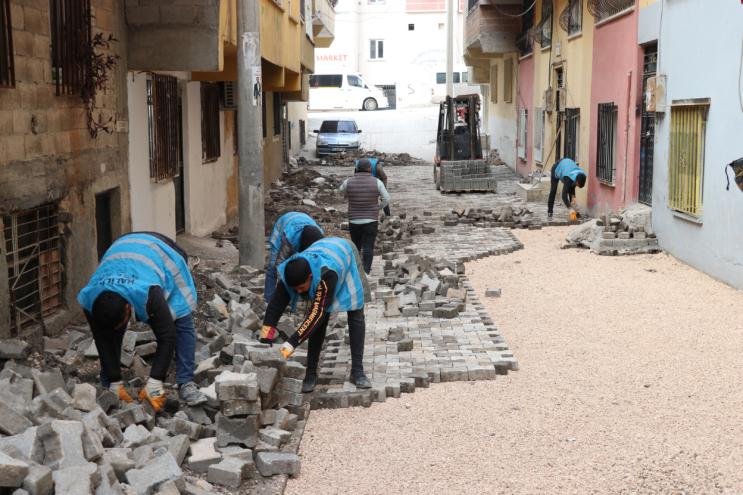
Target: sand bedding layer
column 630, row 381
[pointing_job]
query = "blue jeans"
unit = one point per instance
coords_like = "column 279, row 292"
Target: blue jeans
column 185, row 350
column 271, row 275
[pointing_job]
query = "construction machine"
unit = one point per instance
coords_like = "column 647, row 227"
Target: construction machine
column 459, row 164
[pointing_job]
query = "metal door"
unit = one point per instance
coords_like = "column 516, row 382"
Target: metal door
column 647, row 131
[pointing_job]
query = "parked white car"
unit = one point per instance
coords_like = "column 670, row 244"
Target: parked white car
column 344, row 91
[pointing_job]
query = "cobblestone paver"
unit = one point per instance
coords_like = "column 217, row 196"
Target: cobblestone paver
column 467, row 347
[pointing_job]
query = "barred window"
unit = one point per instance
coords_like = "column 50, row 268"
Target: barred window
column 686, row 157
column 606, row 151
column 571, row 19
column 276, row 114
column 603, row 9
column 32, row 252
column 543, row 30
column 162, row 112
column 70, row 27
column 572, row 133
column 210, row 122
column 525, row 39
column 7, row 63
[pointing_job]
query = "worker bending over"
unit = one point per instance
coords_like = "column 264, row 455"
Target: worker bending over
column 329, row 274
column 293, row 233
column 377, row 171
column 146, row 273
column 570, row 174
column 364, row 192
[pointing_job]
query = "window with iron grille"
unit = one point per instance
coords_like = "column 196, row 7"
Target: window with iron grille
column 572, row 133
column 162, row 112
column 571, row 19
column 603, row 9
column 525, row 39
column 606, row 151
column 7, row 63
column 686, row 158
column 32, row 252
column 210, row 122
column 277, row 114
column 543, row 30
column 70, row 28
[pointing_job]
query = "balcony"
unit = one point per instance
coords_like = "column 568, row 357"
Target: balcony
column 488, row 33
column 323, row 23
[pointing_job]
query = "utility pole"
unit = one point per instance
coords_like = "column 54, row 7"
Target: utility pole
column 250, row 134
column 450, row 47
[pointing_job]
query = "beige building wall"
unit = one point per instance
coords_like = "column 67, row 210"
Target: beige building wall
column 502, row 115
column 576, row 61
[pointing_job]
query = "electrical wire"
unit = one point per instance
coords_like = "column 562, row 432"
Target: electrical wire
column 519, row 15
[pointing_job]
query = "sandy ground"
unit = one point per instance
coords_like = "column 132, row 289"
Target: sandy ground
column 629, row 382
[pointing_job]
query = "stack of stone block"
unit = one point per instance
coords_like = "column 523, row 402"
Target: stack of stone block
column 396, row 232
column 621, row 237
column 467, row 175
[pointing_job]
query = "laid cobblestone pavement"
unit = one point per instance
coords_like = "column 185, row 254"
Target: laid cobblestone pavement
column 468, row 347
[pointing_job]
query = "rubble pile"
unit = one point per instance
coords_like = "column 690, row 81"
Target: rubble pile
column 396, row 232
column 58, row 435
column 519, row 217
column 418, row 284
column 348, row 159
column 614, row 234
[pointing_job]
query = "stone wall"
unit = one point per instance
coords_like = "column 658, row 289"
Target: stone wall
column 47, row 155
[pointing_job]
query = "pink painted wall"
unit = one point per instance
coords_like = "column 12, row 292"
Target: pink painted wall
column 615, row 54
column 526, row 100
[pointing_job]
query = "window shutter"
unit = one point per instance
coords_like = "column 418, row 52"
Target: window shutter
column 494, row 83
column 508, row 80
column 538, row 134
column 522, row 133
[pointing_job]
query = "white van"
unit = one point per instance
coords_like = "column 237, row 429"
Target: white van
column 344, row 91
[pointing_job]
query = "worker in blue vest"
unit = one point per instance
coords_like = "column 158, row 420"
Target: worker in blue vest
column 570, row 174
column 145, row 273
column 377, row 171
column 293, row 233
column 330, row 274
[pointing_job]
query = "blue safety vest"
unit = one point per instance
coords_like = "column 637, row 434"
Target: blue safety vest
column 337, row 255
column 374, row 162
column 290, row 226
column 568, row 168
column 132, row 265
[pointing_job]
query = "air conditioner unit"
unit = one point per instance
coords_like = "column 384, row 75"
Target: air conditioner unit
column 547, row 101
column 229, row 95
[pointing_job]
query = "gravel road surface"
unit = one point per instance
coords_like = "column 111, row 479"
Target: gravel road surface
column 629, row 382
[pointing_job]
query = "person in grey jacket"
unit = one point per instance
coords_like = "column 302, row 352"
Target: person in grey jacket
column 364, row 193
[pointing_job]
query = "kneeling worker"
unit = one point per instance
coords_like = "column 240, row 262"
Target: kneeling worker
column 147, row 273
column 570, row 174
column 330, row 274
column 293, row 233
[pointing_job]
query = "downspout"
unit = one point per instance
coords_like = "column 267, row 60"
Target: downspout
column 626, row 136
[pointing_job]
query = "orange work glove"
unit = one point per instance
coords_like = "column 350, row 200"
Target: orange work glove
column 573, row 215
column 154, row 393
column 118, row 389
column 286, row 349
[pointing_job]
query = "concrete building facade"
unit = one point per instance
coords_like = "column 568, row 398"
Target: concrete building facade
column 64, row 195
column 695, row 216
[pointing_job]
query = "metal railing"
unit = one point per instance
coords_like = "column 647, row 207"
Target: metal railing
column 603, row 9
column 70, row 27
column 210, row 121
column 606, row 151
column 34, row 265
column 571, row 19
column 7, row 63
column 686, row 158
column 162, row 100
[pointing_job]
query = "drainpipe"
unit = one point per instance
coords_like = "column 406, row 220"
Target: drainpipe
column 626, row 136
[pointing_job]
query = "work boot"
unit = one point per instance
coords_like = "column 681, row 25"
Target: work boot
column 359, row 379
column 308, row 384
column 191, row 394
column 549, row 217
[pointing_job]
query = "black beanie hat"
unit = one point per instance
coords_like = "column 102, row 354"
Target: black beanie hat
column 310, row 235
column 297, row 272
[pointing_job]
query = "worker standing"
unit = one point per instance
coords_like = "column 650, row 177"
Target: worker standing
column 377, row 170
column 329, row 274
column 293, row 233
column 570, row 174
column 146, row 273
column 364, row 192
